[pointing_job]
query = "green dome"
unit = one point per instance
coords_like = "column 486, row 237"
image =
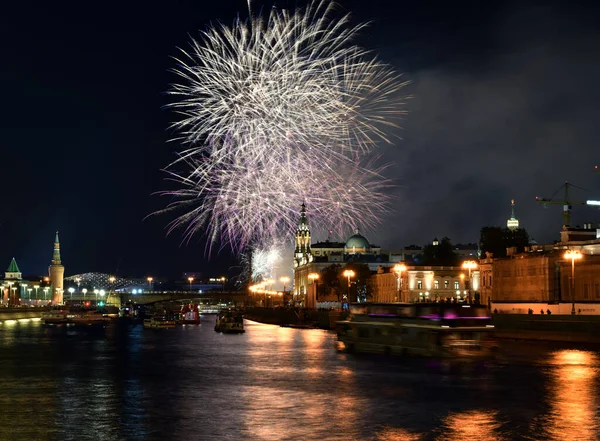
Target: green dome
column 357, row 242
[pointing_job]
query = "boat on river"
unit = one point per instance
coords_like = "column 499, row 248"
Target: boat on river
column 88, row 318
column 66, row 316
column 159, row 323
column 444, row 330
column 230, row 321
column 55, row 316
column 189, row 315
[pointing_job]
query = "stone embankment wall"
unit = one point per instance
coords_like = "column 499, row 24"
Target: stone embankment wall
column 21, row 313
column 573, row 328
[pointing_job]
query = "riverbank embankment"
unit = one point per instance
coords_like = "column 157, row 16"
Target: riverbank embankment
column 568, row 328
column 21, row 313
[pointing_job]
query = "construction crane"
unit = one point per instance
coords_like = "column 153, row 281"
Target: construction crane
column 566, row 202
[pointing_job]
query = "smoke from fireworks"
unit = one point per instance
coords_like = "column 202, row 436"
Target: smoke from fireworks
column 277, row 111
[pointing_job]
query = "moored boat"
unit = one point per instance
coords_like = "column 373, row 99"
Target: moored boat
column 55, row 316
column 230, row 321
column 74, row 317
column 189, row 315
column 444, row 330
column 159, row 323
column 88, row 318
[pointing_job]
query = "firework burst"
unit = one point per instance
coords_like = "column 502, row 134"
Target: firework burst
column 275, row 111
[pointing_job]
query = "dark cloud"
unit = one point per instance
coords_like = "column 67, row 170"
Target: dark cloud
column 516, row 125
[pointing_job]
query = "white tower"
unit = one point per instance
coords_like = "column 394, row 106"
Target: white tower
column 512, row 223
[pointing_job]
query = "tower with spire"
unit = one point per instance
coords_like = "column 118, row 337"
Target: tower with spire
column 513, row 222
column 57, row 273
column 302, row 254
column 13, row 272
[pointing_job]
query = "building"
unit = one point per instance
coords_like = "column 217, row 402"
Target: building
column 57, row 273
column 513, row 222
column 420, row 283
column 313, row 258
column 424, row 283
column 15, row 290
column 541, row 278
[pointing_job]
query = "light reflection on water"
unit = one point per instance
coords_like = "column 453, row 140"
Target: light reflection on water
column 573, row 396
column 272, row 383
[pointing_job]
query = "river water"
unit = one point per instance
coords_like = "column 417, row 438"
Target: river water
column 191, row 383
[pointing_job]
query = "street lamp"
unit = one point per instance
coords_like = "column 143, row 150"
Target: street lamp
column 398, row 269
column 84, row 291
column 573, row 255
column 285, row 280
column 78, row 280
column 29, row 294
column 222, row 279
column 469, row 265
column 190, row 279
column 36, row 287
column 150, row 279
column 71, row 291
column 46, row 289
column 24, row 285
column 349, row 274
column 102, row 293
column 96, row 292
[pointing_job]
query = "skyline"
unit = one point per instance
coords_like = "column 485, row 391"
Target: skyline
column 503, row 108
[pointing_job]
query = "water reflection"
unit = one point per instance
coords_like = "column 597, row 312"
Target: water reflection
column 573, row 397
column 474, row 424
column 275, row 383
column 391, row 434
column 297, row 406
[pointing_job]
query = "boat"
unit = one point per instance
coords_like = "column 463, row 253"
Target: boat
column 74, row 317
column 230, row 321
column 87, row 318
column 55, row 316
column 189, row 315
column 444, row 330
column 159, row 323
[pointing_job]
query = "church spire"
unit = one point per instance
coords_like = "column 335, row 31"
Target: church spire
column 512, row 223
column 56, row 255
column 302, row 251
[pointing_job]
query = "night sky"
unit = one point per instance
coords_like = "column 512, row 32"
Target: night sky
column 505, row 106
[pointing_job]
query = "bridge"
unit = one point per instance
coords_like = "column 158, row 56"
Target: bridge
column 149, row 297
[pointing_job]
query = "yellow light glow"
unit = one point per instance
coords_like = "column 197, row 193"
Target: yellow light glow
column 573, row 255
column 469, row 264
column 349, row 273
column 399, row 268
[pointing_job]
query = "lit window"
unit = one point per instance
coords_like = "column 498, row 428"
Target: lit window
column 456, row 284
column 436, row 284
column 419, row 284
column 446, row 284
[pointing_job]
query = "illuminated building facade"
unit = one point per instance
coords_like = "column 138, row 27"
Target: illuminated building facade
column 542, row 275
column 57, row 273
column 423, row 283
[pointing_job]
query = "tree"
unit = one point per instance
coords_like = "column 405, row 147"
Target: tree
column 497, row 239
column 442, row 254
column 361, row 276
column 330, row 278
